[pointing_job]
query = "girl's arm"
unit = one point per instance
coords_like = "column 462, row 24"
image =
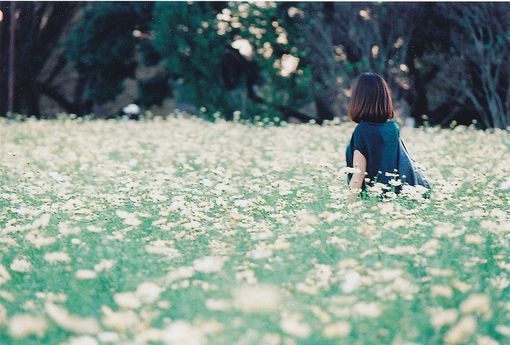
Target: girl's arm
column 359, row 161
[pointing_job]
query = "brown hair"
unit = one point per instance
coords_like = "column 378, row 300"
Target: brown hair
column 370, row 99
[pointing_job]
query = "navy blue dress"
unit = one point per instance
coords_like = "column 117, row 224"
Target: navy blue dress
column 379, row 144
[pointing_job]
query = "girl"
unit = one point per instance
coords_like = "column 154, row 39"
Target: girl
column 374, row 145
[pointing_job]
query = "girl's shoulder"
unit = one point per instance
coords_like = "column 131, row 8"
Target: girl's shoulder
column 390, row 122
column 376, row 126
column 372, row 130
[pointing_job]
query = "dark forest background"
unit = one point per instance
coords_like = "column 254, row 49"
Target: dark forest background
column 291, row 61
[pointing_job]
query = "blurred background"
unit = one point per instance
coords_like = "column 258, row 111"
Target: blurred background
column 292, row 61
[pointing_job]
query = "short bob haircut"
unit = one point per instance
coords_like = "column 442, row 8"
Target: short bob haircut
column 370, row 99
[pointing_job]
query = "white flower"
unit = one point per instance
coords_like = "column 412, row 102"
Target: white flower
column 104, row 265
column 242, row 203
column 127, row 300
column 504, row 330
column 182, row 333
column 21, row 265
column 180, row 273
column 441, row 290
column 83, row 340
column 349, row 170
column 288, row 64
column 217, row 304
column 108, row 337
column 477, row 303
column 65, row 229
column 120, row 320
column 352, row 281
column 367, row 309
column 24, row 325
column 505, row 184
column 294, row 325
column 441, row 317
column 337, row 329
column 53, row 257
column 40, row 241
column 69, row 322
column 244, row 47
column 41, row 222
column 443, row 230
column 129, row 218
column 256, row 298
column 94, row 228
column 85, row 274
column 208, row 264
column 148, row 292
column 3, row 314
column 462, row 331
column 4, row 275
column 395, row 183
column 485, row 340
column 260, row 252
column 473, row 239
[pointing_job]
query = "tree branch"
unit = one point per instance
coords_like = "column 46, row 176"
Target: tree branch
column 52, row 93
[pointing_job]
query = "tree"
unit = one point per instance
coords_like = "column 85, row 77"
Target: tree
column 263, row 59
column 103, row 49
column 232, row 57
column 38, row 29
column 481, row 37
column 346, row 39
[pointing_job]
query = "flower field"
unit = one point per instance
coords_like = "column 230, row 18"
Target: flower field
column 182, row 231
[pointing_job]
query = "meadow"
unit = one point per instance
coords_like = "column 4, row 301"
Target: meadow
column 181, row 231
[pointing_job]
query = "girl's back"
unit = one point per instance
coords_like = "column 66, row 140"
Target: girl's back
column 378, row 142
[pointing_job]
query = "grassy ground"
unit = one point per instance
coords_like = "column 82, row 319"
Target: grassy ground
column 188, row 232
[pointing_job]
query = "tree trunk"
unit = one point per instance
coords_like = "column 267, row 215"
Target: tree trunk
column 37, row 30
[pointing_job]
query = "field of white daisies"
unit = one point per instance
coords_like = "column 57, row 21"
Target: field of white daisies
column 181, row 231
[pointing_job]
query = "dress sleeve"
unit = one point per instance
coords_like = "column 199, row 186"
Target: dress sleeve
column 359, row 141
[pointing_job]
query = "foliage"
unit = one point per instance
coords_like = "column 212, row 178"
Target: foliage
column 196, row 40
column 102, row 46
column 273, row 60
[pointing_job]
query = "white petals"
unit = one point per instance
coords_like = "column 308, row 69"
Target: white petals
column 208, row 264
column 53, row 257
column 42, row 221
column 148, row 292
column 367, row 309
column 182, row 333
column 24, row 325
column 293, row 324
column 441, row 317
column 104, row 265
column 71, row 323
column 477, row 303
column 338, row 329
column 462, row 331
column 83, row 340
column 3, row 314
column 120, row 320
column 127, row 300
column 4, row 275
column 21, row 265
column 351, row 281
column 85, row 274
column 256, row 298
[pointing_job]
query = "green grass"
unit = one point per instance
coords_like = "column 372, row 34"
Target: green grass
column 266, row 208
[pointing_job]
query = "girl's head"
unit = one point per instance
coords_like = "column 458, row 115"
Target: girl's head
column 370, row 99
